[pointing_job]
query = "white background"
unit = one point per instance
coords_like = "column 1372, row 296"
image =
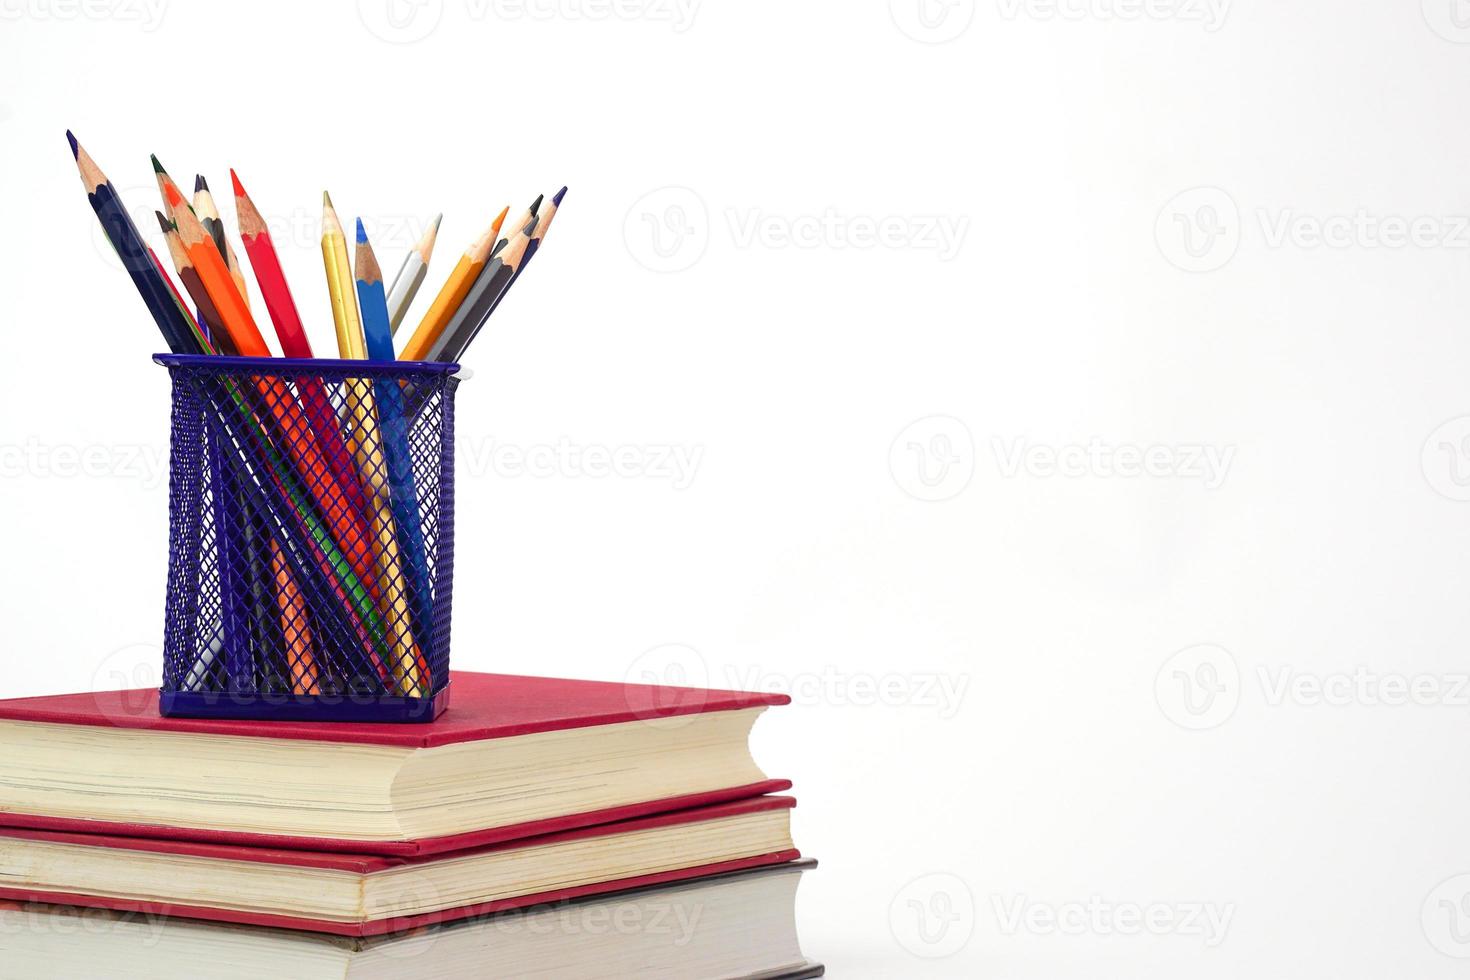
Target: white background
column 1031, row 676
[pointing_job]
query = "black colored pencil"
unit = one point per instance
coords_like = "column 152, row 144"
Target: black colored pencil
column 178, row 331
column 525, row 222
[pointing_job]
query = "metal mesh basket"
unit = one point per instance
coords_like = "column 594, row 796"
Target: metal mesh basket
column 311, row 539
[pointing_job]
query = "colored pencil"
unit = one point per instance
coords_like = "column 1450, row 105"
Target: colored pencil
column 281, row 306
column 496, row 278
column 179, row 300
column 410, row 670
column 295, row 628
column 269, row 276
column 451, row 295
column 164, row 183
column 215, row 225
column 192, row 283
column 411, row 276
column 179, row 333
column 543, row 224
column 377, row 330
column 403, row 491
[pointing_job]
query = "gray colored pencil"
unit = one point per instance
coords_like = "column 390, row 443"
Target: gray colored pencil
column 411, row 276
column 526, row 222
column 475, row 309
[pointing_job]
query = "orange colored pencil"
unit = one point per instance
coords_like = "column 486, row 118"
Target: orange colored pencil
column 295, row 628
column 204, row 254
column 451, row 294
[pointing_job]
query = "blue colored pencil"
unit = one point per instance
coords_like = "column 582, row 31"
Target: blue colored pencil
column 377, row 331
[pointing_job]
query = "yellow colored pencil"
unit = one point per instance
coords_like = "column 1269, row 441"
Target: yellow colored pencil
column 410, row 669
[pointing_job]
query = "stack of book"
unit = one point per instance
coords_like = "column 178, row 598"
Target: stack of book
column 541, row 828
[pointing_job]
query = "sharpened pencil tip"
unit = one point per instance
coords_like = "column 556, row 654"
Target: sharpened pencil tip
column 361, row 233
column 200, row 184
column 157, row 167
column 536, row 204
column 556, row 198
column 75, row 149
column 239, row 190
column 327, row 200
column 425, row 247
column 499, row 220
column 163, row 222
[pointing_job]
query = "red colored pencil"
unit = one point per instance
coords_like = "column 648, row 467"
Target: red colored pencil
column 269, row 276
column 271, row 279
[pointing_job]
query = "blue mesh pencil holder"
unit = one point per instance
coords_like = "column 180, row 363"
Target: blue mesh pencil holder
column 311, row 539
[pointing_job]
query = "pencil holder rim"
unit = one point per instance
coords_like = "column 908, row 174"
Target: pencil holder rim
column 300, row 365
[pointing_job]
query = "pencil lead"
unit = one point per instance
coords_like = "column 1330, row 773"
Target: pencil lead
column 73, row 141
column 157, row 167
column 200, row 184
column 361, row 233
column 536, row 204
column 556, row 199
column 163, row 222
column 239, row 190
column 327, row 200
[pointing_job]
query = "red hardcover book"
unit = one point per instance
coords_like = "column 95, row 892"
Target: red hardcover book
column 369, row 895
column 513, row 757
